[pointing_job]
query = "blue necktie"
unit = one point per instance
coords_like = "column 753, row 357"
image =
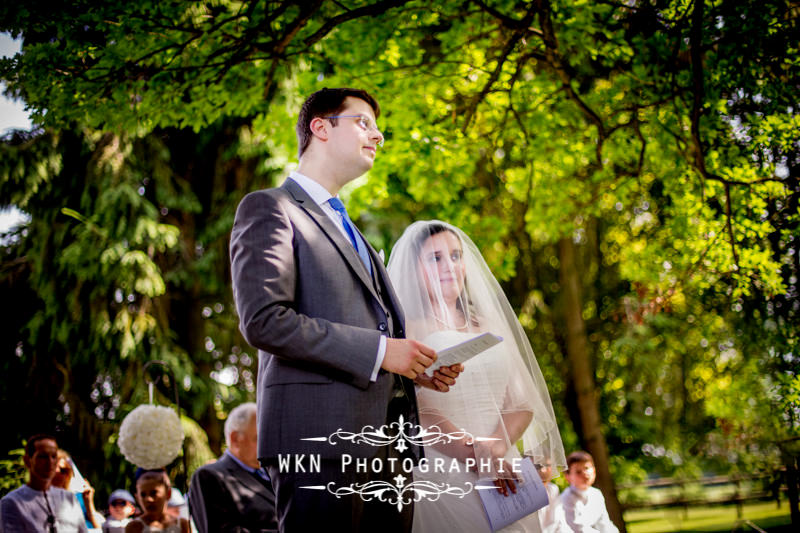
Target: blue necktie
column 360, row 246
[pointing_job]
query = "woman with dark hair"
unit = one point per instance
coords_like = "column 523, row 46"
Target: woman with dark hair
column 450, row 296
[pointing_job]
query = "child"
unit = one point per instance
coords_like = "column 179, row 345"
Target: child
column 176, row 506
column 551, row 518
column 121, row 507
column 584, row 505
column 153, row 490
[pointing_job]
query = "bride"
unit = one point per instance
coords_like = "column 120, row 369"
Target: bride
column 449, row 296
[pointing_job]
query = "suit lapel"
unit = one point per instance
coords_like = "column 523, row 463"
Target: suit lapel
column 245, row 478
column 345, row 247
column 390, row 298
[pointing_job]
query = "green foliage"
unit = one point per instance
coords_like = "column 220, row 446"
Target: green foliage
column 129, row 267
column 665, row 145
column 12, row 471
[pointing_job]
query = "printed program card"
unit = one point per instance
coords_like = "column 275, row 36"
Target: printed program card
column 504, row 510
column 464, row 351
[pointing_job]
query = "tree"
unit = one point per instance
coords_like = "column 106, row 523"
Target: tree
column 629, row 170
column 106, row 284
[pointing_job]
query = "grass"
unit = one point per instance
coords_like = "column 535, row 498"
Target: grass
column 766, row 515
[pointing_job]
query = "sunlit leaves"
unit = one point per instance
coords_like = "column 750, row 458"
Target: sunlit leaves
column 686, row 224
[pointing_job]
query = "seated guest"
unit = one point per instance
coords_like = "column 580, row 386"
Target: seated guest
column 153, row 489
column 68, row 478
column 176, row 506
column 38, row 506
column 234, row 494
column 121, row 507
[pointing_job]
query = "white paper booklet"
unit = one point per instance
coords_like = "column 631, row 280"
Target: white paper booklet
column 504, row 510
column 464, row 351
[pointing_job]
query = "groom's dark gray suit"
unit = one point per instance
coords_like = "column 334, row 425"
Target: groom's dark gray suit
column 309, row 305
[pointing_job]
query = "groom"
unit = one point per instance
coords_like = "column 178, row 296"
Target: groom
column 314, row 298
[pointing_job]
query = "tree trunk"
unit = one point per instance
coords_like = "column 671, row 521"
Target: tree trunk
column 792, row 483
column 582, row 376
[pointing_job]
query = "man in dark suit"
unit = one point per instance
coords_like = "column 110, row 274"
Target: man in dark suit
column 314, row 298
column 234, row 493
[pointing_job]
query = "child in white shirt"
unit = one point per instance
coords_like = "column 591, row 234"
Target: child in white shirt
column 551, row 517
column 584, row 505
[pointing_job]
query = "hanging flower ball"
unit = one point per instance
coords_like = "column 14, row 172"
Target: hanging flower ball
column 151, row 436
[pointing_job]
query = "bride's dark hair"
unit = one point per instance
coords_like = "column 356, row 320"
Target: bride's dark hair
column 434, row 228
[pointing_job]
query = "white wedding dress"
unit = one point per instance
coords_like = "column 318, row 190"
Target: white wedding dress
column 449, row 294
column 471, row 405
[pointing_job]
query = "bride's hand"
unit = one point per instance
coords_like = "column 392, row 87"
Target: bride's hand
column 443, row 378
column 506, row 484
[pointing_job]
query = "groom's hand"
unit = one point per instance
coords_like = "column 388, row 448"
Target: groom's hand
column 407, row 357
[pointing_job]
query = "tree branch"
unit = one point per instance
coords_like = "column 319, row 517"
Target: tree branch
column 729, row 224
column 696, row 54
column 509, row 22
column 507, row 49
column 473, row 106
column 554, row 59
column 370, row 10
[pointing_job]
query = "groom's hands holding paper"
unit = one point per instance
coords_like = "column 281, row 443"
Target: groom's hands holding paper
column 411, row 358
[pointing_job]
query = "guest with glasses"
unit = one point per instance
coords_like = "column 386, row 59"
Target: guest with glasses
column 38, row 506
column 121, row 507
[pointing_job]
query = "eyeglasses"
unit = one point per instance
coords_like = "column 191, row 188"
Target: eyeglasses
column 365, row 123
column 119, row 503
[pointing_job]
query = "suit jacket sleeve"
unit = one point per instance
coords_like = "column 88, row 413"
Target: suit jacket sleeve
column 197, row 504
column 264, row 268
column 209, row 502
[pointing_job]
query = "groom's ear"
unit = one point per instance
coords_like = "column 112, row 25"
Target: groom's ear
column 319, row 128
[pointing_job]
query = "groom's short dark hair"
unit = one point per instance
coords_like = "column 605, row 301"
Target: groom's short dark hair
column 326, row 102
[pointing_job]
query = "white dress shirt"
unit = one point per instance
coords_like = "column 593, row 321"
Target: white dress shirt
column 585, row 511
column 26, row 510
column 320, row 195
column 551, row 517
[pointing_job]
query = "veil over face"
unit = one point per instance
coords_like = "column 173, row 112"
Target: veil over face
column 449, row 295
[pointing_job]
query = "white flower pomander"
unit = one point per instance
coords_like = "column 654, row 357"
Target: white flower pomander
column 151, row 436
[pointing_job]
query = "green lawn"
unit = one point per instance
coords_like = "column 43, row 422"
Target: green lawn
column 766, row 515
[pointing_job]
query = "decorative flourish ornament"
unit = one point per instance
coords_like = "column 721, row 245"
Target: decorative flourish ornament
column 400, row 494
column 399, row 433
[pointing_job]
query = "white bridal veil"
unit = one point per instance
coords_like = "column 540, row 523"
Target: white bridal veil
column 449, row 295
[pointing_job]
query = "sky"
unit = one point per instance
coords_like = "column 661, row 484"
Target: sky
column 12, row 113
column 12, row 116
